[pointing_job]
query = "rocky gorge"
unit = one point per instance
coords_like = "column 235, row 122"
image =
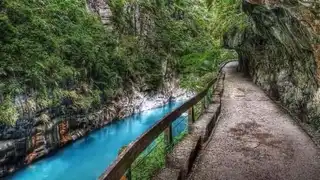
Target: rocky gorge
column 280, row 50
column 40, row 131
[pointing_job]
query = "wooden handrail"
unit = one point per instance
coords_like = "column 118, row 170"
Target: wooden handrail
column 126, row 158
column 119, row 167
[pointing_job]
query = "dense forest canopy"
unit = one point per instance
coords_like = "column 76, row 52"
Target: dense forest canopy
column 56, row 49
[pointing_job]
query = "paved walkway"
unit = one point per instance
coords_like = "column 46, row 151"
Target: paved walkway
column 254, row 139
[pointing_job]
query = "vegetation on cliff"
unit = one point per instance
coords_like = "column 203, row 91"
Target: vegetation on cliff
column 228, row 14
column 54, row 50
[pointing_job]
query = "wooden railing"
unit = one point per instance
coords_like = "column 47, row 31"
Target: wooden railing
column 131, row 153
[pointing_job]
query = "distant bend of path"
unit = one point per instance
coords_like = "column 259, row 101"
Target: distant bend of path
column 254, row 139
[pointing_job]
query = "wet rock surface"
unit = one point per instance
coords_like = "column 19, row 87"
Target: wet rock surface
column 255, row 139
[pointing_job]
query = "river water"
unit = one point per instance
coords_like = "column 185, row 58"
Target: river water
column 88, row 157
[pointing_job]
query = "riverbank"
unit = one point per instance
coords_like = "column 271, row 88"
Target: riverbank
column 94, row 152
column 47, row 138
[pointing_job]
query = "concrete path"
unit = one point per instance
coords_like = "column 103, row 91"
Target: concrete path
column 254, row 139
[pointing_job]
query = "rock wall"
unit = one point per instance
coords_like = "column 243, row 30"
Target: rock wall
column 280, row 50
column 42, row 131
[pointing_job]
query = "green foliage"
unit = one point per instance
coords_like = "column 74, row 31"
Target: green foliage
column 48, row 42
column 194, row 41
column 227, row 14
column 153, row 158
column 150, row 161
column 8, row 112
column 50, row 48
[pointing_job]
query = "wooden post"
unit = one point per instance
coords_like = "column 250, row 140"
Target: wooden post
column 168, row 137
column 129, row 174
column 191, row 118
column 204, row 103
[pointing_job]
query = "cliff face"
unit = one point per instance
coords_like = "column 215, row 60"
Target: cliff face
column 280, row 50
column 41, row 131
